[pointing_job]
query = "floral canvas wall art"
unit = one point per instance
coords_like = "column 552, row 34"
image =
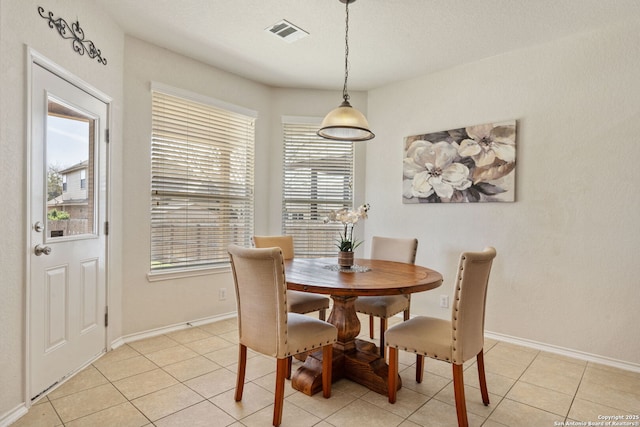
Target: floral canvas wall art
column 470, row 164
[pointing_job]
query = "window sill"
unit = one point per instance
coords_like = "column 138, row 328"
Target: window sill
column 157, row 276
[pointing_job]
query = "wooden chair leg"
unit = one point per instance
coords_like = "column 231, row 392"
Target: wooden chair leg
column 419, row 368
column 458, row 389
column 371, row 326
column 323, row 314
column 406, row 315
column 281, row 370
column 393, row 374
column 383, row 328
column 482, row 378
column 242, row 367
column 327, row 363
column 289, row 360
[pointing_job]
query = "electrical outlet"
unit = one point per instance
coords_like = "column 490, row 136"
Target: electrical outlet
column 222, row 294
column 444, row 301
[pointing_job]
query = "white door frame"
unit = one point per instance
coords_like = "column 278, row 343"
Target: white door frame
column 34, row 57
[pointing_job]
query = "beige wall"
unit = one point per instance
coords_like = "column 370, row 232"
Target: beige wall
column 149, row 305
column 21, row 26
column 566, row 272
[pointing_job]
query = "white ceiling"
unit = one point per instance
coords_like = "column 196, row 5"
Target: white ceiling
column 389, row 40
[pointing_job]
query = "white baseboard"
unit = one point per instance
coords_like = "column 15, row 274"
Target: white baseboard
column 116, row 343
column 13, row 415
column 20, row 410
column 576, row 354
column 171, row 328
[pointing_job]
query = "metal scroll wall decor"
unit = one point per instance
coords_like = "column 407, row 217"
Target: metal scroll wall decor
column 76, row 34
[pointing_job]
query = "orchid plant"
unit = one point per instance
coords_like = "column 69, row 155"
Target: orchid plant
column 348, row 218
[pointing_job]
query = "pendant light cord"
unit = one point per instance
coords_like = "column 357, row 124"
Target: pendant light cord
column 345, row 94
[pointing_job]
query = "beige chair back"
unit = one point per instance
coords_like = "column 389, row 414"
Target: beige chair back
column 394, row 249
column 261, row 303
column 470, row 296
column 283, row 242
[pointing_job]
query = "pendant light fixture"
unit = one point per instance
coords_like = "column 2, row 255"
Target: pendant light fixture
column 345, row 123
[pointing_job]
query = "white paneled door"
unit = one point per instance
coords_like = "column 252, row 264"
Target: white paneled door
column 67, row 241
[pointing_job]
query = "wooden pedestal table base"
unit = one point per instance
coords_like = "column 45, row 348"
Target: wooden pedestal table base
column 356, row 360
column 353, row 359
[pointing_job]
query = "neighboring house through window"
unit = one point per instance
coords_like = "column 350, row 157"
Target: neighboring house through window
column 74, row 198
column 317, row 178
column 202, row 179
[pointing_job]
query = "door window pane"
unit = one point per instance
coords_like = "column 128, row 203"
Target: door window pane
column 69, row 171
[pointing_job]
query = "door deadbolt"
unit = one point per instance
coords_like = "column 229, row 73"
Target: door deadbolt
column 38, row 226
column 39, row 250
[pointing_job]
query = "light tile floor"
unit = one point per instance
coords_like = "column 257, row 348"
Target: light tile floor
column 187, row 378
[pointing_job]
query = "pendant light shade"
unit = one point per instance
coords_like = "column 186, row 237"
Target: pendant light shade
column 345, row 123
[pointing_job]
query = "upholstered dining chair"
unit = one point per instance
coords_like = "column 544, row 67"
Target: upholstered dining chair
column 388, row 249
column 299, row 302
column 266, row 326
column 454, row 341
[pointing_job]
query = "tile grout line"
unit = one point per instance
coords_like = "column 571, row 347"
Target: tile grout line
column 513, row 385
column 573, row 399
column 204, row 398
column 538, row 357
column 541, row 409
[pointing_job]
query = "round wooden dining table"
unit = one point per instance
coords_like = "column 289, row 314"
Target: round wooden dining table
column 355, row 359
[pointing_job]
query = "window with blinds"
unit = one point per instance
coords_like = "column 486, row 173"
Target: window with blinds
column 317, row 178
column 202, row 179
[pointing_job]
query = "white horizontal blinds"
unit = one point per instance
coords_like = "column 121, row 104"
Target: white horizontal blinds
column 316, row 179
column 202, row 167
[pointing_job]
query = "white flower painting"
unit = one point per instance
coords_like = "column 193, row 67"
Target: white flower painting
column 471, row 164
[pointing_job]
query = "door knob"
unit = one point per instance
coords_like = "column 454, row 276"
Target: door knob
column 39, row 250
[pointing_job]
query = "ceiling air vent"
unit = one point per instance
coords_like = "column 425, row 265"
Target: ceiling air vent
column 286, row 31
